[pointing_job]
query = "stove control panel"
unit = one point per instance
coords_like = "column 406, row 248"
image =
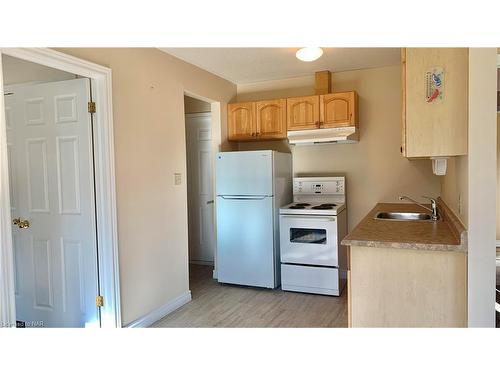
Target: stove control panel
column 318, row 185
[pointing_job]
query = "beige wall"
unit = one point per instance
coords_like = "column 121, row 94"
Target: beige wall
column 192, row 105
column 21, row 71
column 148, row 110
column 498, row 176
column 454, row 187
column 375, row 169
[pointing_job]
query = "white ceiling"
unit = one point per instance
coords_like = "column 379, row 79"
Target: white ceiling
column 249, row 65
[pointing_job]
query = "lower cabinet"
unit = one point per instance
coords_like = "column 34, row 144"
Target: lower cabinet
column 391, row 287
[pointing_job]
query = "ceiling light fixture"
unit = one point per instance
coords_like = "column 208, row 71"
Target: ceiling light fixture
column 309, row 53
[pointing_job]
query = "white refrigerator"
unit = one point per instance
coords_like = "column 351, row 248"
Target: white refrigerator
column 251, row 186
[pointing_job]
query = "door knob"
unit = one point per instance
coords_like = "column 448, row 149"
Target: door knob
column 210, row 202
column 22, row 224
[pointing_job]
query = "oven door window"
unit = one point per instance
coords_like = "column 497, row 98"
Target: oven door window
column 307, row 235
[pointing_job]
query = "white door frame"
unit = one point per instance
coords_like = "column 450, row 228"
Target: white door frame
column 216, row 128
column 104, row 182
column 212, row 170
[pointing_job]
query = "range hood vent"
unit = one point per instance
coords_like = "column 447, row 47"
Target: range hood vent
column 346, row 134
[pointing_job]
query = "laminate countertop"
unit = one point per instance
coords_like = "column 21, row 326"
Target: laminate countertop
column 445, row 234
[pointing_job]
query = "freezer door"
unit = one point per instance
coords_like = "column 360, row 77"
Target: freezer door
column 245, row 242
column 244, row 173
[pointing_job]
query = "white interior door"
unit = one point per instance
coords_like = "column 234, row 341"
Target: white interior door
column 52, row 188
column 200, row 188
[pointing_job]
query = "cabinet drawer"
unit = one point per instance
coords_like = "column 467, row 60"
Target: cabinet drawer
column 321, row 280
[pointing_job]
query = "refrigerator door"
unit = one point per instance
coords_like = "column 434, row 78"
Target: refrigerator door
column 245, row 241
column 244, row 173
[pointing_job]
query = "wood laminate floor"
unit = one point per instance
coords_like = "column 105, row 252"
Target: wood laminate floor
column 216, row 305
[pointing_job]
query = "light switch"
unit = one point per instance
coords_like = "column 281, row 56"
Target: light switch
column 177, row 178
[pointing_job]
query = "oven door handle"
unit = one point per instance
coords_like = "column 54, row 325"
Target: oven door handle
column 304, row 217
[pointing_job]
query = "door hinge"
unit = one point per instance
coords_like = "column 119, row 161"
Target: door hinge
column 91, row 107
column 99, row 301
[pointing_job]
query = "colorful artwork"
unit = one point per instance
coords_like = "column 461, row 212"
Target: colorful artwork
column 434, row 85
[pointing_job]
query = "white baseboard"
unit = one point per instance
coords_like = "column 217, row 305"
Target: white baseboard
column 161, row 312
column 498, row 243
column 214, row 274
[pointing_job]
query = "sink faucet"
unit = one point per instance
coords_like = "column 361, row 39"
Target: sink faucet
column 433, row 208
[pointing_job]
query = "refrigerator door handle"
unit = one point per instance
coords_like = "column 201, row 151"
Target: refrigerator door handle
column 253, row 198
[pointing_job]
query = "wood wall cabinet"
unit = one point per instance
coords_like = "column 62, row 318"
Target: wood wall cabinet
column 338, row 109
column 438, row 128
column 241, row 122
column 257, row 121
column 303, row 112
column 322, row 111
column 271, row 119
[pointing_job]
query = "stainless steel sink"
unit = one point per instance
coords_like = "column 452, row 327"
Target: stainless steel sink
column 403, row 216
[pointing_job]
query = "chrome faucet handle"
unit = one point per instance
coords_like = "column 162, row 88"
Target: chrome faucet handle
column 435, row 215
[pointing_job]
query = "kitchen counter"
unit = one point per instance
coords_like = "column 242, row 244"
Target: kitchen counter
column 446, row 234
column 407, row 273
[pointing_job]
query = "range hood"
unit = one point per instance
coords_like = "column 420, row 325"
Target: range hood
column 346, row 134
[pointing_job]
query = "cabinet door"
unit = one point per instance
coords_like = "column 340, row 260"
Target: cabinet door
column 435, row 125
column 271, row 119
column 241, row 121
column 338, row 109
column 302, row 113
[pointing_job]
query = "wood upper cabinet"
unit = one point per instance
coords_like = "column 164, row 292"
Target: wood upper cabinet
column 271, row 119
column 435, row 101
column 241, row 122
column 257, row 121
column 338, row 109
column 302, row 113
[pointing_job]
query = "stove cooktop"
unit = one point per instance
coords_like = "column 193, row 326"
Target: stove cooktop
column 313, row 208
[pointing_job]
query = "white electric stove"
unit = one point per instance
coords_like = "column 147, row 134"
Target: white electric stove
column 311, row 229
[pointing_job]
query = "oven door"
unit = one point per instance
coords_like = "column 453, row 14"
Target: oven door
column 310, row 240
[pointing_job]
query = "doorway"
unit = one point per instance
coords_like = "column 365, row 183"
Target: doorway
column 58, row 253
column 200, row 191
